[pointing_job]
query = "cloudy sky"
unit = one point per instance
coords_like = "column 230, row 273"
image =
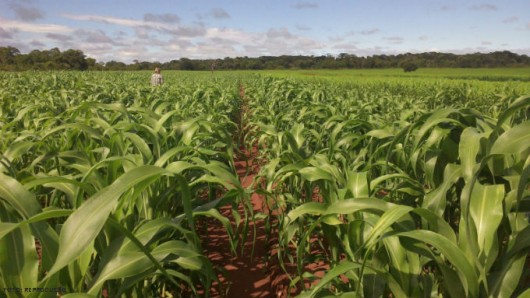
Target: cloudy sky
column 163, row 30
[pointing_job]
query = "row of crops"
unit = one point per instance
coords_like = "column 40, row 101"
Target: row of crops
column 400, row 193
column 400, row 188
column 102, row 178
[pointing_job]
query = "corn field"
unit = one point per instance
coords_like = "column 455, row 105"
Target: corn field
column 401, row 189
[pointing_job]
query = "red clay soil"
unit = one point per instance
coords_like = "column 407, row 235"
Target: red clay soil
column 247, row 275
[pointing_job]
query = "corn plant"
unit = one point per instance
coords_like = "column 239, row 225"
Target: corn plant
column 407, row 203
column 101, row 182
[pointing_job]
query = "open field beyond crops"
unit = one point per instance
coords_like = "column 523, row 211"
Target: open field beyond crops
column 480, row 74
column 310, row 183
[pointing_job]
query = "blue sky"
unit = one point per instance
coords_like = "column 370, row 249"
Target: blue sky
column 163, row 30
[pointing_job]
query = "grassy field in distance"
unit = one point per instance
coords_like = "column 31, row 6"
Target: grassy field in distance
column 483, row 74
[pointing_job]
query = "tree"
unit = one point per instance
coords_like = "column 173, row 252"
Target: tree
column 409, row 66
column 186, row 64
column 74, row 59
column 7, row 55
column 115, row 65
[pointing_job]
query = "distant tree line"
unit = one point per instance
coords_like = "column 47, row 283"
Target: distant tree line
column 54, row 59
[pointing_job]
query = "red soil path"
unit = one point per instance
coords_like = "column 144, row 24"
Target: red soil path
column 250, row 274
column 247, row 274
column 254, row 272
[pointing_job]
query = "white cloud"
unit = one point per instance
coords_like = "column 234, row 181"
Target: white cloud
column 36, row 43
column 175, row 40
column 33, row 27
column 59, row 37
column 26, row 13
column 165, row 27
column 279, row 33
column 484, row 7
column 370, row 31
column 511, row 19
column 394, row 39
column 6, row 34
column 109, row 20
column 303, row 28
column 219, row 13
column 95, row 36
column 346, row 47
column 163, row 18
column 165, row 37
column 230, row 34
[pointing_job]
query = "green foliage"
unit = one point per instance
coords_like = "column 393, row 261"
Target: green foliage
column 403, row 192
column 12, row 59
column 409, row 66
column 105, row 175
column 402, row 188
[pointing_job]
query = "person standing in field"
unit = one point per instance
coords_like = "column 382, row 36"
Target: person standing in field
column 156, row 78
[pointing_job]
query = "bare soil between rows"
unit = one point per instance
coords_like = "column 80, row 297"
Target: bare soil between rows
column 250, row 273
column 255, row 270
column 247, row 274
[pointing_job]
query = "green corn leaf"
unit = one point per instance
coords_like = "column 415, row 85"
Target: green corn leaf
column 47, row 213
column 18, row 259
column 141, row 145
column 26, row 205
column 378, row 180
column 6, row 228
column 349, row 206
column 525, row 176
column 82, row 227
column 525, row 294
column 516, row 105
column 307, row 208
column 436, row 199
column 124, row 265
column 18, row 197
column 358, row 185
column 439, row 116
column 513, row 141
column 520, row 244
column 333, row 273
column 90, row 131
column 467, row 273
column 437, row 224
column 14, row 151
column 314, row 174
column 380, row 133
column 188, row 130
column 504, row 282
column 163, row 119
column 404, row 264
column 190, row 263
column 469, row 148
column 487, row 212
column 388, row 218
column 145, row 232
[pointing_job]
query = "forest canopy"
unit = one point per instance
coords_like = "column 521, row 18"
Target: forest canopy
column 11, row 59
